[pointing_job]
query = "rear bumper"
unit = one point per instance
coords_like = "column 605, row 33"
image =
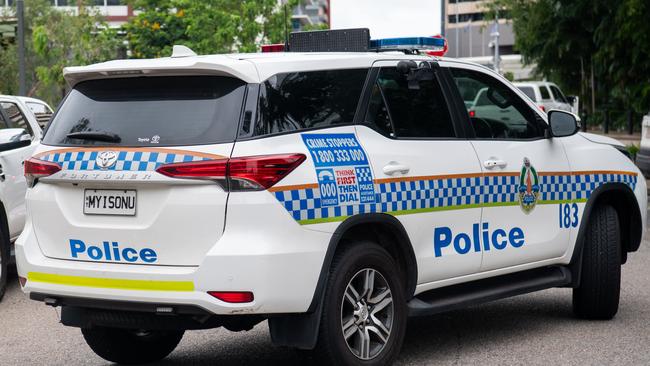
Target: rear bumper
column 282, row 278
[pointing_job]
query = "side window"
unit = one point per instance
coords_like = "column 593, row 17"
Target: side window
column 557, row 95
column 529, row 91
column 16, row 117
column 302, row 100
column 495, row 111
column 412, row 112
column 543, row 90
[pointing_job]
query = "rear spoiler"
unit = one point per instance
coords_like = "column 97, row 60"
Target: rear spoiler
column 204, row 65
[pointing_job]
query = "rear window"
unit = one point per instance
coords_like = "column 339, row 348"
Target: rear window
column 305, row 100
column 529, row 91
column 161, row 111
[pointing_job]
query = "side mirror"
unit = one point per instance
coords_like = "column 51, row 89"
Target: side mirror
column 563, row 123
column 14, row 138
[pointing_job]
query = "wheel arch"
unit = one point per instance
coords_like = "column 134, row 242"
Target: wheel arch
column 301, row 330
column 622, row 198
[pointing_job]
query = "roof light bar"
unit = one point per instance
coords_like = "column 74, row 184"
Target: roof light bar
column 432, row 45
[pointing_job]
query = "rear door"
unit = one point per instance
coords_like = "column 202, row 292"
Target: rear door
column 527, row 177
column 426, row 173
column 12, row 179
column 109, row 137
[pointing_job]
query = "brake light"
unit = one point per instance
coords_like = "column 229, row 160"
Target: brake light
column 237, row 297
column 238, row 174
column 36, row 168
column 472, row 114
column 276, row 47
column 542, row 108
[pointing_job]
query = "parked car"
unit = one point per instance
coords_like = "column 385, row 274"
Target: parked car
column 19, row 135
column 643, row 155
column 546, row 95
column 42, row 111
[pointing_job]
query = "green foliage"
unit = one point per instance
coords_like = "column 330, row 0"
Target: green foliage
column 206, row 26
column 55, row 39
column 570, row 39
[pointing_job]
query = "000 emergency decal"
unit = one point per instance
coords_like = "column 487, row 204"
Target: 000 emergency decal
column 342, row 169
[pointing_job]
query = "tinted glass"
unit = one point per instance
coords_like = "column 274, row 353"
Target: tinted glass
column 497, row 112
column 544, row 92
column 414, row 112
column 529, row 91
column 166, row 111
column 16, row 117
column 302, row 100
column 557, row 95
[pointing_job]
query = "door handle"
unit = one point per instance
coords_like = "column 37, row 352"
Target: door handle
column 394, row 167
column 493, row 162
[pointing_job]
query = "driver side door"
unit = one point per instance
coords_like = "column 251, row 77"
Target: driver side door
column 526, row 176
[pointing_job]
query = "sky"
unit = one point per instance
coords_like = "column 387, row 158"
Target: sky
column 387, row 18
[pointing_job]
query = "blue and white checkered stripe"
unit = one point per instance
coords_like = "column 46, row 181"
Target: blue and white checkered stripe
column 304, row 204
column 126, row 160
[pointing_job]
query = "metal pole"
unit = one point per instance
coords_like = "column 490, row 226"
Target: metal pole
column 22, row 83
column 495, row 34
column 443, row 10
column 470, row 37
column 457, row 49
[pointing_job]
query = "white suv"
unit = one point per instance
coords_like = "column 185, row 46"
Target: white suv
column 19, row 135
column 546, row 95
column 332, row 194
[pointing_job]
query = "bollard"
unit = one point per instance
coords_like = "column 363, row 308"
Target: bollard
column 606, row 122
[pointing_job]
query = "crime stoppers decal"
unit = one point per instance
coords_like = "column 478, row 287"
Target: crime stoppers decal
column 342, row 169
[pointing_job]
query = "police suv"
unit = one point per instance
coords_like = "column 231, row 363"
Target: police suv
column 333, row 194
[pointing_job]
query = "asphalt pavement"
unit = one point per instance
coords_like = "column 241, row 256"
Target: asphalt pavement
column 534, row 329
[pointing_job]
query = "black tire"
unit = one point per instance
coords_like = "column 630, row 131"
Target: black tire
column 130, row 347
column 360, row 258
column 5, row 253
column 600, row 282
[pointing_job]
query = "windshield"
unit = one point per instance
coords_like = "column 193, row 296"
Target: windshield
column 145, row 111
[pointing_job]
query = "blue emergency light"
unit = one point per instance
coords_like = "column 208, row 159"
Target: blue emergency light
column 414, row 43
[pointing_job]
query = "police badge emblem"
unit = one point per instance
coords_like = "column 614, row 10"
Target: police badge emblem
column 529, row 189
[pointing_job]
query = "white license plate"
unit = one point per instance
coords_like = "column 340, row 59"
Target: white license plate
column 109, row 202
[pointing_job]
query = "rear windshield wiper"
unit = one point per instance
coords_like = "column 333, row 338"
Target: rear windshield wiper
column 95, row 135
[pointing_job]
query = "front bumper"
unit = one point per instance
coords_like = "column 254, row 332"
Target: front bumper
column 282, row 278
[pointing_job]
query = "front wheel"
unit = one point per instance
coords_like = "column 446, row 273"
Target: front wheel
column 597, row 296
column 131, row 347
column 364, row 311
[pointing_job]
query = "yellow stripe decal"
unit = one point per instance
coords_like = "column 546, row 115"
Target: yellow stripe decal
column 112, row 283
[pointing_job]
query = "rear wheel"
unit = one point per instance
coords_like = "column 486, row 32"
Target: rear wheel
column 364, row 311
column 130, row 347
column 597, row 296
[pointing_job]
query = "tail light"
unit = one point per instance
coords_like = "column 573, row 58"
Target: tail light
column 472, row 114
column 542, row 108
column 35, row 169
column 251, row 173
column 238, row 297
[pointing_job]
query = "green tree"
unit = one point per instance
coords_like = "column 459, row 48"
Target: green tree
column 54, row 39
column 216, row 26
column 576, row 41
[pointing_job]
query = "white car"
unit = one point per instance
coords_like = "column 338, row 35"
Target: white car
column 332, row 194
column 643, row 156
column 19, row 135
column 546, row 95
column 42, row 111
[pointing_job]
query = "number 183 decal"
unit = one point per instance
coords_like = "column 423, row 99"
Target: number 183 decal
column 568, row 215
